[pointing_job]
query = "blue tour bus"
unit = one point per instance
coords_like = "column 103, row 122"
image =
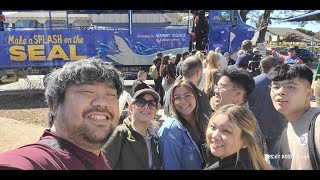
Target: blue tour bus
column 39, row 47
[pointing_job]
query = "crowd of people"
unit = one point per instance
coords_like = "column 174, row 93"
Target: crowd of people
column 219, row 116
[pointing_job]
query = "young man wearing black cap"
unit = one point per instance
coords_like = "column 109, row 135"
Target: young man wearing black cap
column 292, row 57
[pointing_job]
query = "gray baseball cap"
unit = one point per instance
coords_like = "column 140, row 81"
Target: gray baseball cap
column 147, row 91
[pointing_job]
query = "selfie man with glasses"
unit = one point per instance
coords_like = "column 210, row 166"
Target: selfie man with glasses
column 133, row 145
column 234, row 86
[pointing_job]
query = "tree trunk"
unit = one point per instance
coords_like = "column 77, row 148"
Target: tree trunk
column 243, row 14
column 264, row 25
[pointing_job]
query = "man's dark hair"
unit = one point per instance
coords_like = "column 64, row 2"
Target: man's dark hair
column 202, row 14
column 87, row 71
column 290, row 71
column 184, row 55
column 166, row 58
column 267, row 63
column 190, row 66
column 246, row 45
column 159, row 54
column 238, row 76
column 178, row 59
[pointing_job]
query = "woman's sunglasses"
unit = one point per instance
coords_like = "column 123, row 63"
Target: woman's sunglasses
column 142, row 102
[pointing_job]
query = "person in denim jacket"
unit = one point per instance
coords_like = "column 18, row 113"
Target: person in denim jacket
column 181, row 136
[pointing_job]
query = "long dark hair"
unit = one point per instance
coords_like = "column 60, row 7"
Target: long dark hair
column 198, row 112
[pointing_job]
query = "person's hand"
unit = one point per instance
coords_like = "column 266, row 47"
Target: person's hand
column 269, row 49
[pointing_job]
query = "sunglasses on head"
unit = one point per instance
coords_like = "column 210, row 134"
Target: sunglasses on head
column 142, row 102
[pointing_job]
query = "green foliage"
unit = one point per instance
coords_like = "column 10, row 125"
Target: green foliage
column 317, row 35
column 307, row 32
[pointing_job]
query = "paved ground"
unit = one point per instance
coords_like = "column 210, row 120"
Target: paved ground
column 21, row 132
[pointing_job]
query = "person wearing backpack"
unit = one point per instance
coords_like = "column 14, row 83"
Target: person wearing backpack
column 291, row 94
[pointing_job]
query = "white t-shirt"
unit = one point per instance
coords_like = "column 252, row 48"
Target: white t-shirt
column 223, row 61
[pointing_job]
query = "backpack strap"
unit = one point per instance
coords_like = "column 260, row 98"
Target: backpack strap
column 313, row 153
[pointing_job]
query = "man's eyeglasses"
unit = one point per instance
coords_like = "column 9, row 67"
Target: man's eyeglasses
column 142, row 102
column 187, row 97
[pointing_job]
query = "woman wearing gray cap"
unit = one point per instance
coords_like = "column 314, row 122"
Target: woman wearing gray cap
column 133, row 144
column 292, row 57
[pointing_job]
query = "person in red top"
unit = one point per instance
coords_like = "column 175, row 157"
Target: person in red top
column 83, row 100
column 292, row 57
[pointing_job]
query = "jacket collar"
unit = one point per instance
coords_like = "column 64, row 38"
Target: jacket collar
column 151, row 130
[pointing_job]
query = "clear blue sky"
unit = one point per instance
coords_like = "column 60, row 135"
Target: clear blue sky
column 315, row 27
column 311, row 26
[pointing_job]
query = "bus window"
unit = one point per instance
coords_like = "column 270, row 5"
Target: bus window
column 224, row 15
column 27, row 24
column 56, row 23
